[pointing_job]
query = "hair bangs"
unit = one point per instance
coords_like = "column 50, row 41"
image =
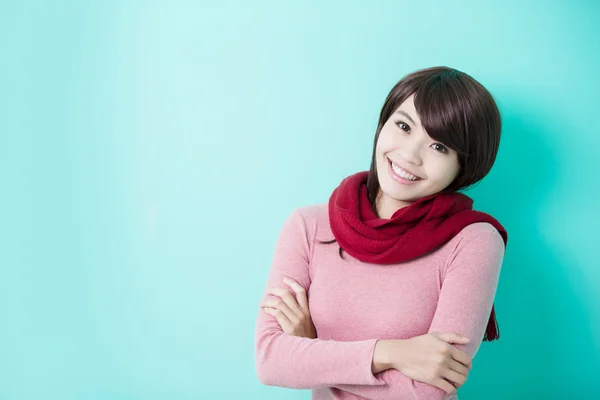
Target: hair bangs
column 441, row 112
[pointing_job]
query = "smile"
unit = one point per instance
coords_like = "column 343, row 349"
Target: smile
column 401, row 175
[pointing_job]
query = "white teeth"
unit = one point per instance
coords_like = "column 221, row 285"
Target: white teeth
column 403, row 174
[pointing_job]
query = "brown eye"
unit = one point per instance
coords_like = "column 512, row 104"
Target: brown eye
column 403, row 126
column 440, row 147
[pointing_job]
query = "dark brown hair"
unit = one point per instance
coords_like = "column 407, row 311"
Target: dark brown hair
column 455, row 110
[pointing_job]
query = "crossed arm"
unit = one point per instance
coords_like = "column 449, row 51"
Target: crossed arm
column 464, row 306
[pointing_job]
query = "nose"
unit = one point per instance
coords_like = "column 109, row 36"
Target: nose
column 410, row 152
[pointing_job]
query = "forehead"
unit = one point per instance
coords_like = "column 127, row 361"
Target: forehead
column 408, row 106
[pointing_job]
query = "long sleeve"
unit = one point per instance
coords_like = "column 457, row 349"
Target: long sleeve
column 296, row 362
column 469, row 286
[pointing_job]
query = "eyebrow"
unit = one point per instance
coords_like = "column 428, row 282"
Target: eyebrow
column 407, row 116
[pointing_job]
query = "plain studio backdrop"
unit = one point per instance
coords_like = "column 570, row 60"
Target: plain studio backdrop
column 150, row 152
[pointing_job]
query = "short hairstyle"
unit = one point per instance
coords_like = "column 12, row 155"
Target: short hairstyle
column 455, row 110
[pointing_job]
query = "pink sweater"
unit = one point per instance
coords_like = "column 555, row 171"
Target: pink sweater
column 353, row 304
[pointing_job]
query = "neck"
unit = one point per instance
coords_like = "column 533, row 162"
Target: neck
column 386, row 206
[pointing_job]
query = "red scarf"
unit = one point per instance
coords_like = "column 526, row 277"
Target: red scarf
column 411, row 232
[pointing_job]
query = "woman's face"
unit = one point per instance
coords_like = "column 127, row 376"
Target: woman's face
column 410, row 164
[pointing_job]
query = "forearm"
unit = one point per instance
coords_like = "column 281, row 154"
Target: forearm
column 387, row 357
column 397, row 386
column 302, row 363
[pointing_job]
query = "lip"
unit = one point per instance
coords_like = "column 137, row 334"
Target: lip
column 399, row 178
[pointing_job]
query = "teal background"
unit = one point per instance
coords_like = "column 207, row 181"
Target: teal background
column 150, row 152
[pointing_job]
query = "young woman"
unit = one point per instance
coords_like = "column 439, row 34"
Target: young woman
column 386, row 291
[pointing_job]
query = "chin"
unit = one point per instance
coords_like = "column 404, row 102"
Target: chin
column 399, row 194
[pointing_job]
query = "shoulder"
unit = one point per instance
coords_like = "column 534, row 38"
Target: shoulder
column 314, row 213
column 479, row 237
column 477, row 249
column 312, row 220
column 479, row 229
column 301, row 226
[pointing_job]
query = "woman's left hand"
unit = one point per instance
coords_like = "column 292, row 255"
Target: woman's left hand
column 292, row 313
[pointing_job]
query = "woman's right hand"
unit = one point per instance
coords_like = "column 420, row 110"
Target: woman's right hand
column 432, row 359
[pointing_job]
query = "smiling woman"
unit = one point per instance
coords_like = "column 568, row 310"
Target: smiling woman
column 402, row 316
column 439, row 125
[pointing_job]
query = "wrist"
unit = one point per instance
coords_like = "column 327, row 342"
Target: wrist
column 382, row 357
column 397, row 353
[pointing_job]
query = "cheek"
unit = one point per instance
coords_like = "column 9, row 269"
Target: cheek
column 384, row 144
column 444, row 171
column 454, row 167
column 456, row 171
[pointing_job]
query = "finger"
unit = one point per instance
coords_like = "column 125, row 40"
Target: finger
column 288, row 299
column 455, row 378
column 459, row 367
column 444, row 385
column 300, row 293
column 283, row 320
column 462, row 357
column 280, row 305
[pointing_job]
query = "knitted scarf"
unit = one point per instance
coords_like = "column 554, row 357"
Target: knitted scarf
column 411, row 232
